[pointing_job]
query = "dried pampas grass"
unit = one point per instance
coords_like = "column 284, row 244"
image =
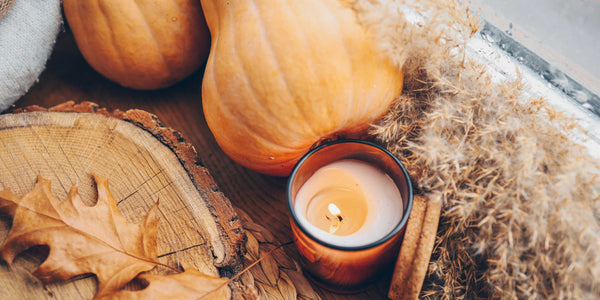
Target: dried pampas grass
column 521, row 200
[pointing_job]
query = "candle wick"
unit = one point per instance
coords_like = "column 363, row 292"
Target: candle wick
column 338, row 217
column 335, row 222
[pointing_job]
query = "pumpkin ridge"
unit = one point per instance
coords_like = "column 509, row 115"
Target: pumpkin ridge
column 284, row 80
column 176, row 4
column 256, row 133
column 231, row 117
column 244, row 68
column 85, row 41
column 352, row 100
column 210, row 11
column 151, row 32
column 113, row 43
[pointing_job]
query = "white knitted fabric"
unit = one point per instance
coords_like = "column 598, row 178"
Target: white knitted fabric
column 27, row 34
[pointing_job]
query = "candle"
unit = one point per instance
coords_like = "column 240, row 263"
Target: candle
column 349, row 202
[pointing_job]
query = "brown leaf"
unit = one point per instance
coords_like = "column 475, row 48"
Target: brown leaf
column 191, row 284
column 303, row 287
column 269, row 265
column 9, row 206
column 81, row 239
column 286, row 287
column 252, row 246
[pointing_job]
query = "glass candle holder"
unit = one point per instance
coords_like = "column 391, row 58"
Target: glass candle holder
column 349, row 202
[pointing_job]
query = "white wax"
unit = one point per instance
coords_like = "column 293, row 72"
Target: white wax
column 384, row 203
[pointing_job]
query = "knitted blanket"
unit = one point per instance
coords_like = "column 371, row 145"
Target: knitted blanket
column 27, row 34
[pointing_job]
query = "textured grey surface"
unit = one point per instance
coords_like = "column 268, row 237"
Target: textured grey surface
column 568, row 78
column 566, row 33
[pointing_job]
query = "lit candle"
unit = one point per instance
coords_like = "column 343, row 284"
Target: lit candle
column 349, row 203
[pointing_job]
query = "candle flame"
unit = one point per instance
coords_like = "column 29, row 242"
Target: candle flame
column 337, row 218
column 334, row 210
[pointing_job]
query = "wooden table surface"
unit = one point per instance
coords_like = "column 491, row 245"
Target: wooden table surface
column 69, row 77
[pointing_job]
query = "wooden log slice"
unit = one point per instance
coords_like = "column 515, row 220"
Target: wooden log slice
column 144, row 162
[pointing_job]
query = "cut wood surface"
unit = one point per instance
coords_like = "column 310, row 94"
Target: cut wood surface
column 144, row 162
column 69, row 77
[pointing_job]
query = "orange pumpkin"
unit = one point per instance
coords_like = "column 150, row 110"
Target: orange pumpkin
column 283, row 75
column 140, row 44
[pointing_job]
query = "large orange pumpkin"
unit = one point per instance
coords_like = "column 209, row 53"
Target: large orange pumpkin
column 142, row 44
column 283, row 75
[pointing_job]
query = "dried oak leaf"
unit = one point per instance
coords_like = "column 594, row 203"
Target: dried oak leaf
column 191, row 284
column 82, row 239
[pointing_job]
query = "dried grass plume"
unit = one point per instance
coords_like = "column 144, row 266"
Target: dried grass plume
column 521, row 200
